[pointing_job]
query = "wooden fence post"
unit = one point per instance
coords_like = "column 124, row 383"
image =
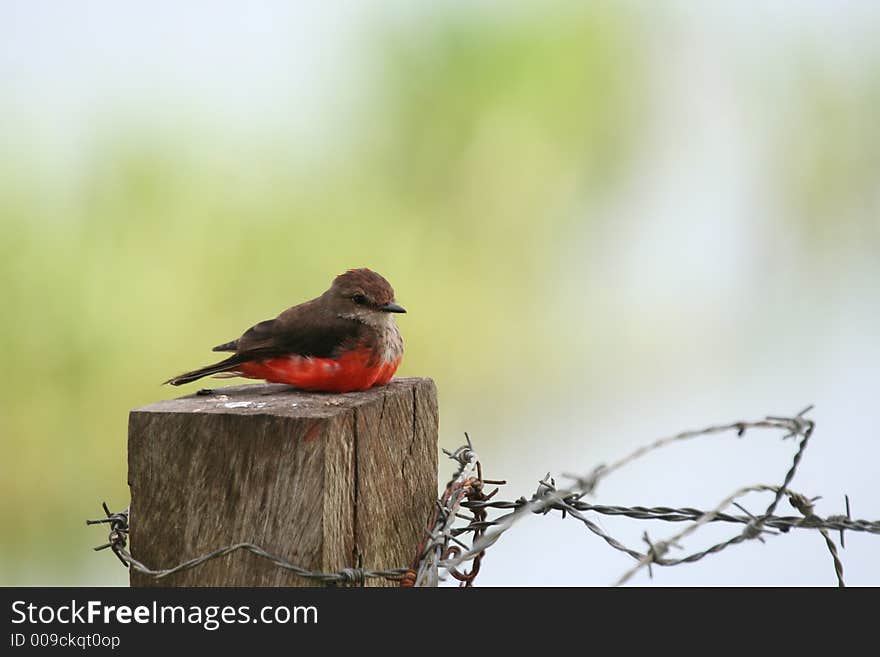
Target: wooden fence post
column 322, row 480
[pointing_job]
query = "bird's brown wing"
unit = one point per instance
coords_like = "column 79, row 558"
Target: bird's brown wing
column 301, row 330
column 254, row 334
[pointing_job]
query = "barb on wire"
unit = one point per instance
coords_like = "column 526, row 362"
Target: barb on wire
column 459, row 531
column 805, row 506
column 436, row 548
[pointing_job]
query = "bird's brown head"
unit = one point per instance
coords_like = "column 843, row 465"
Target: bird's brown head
column 364, row 295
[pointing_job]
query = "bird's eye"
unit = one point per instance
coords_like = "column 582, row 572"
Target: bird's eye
column 359, row 299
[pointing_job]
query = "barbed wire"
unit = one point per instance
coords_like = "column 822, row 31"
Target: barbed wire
column 119, row 530
column 462, row 513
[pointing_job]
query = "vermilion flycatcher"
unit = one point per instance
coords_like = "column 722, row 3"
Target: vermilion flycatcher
column 344, row 340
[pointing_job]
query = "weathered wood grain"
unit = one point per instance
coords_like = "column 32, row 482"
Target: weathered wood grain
column 318, row 479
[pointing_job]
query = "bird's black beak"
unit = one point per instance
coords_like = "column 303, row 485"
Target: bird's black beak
column 392, row 308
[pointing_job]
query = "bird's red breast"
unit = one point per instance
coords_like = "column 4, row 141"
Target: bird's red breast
column 354, row 370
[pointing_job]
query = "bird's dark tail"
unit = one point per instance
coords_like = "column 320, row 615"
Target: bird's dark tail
column 216, row 368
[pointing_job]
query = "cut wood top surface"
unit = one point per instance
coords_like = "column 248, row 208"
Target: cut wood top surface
column 279, row 400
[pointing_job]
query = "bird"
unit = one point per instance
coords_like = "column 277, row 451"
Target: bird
column 345, row 340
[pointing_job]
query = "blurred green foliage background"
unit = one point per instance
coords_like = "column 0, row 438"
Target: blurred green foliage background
column 487, row 166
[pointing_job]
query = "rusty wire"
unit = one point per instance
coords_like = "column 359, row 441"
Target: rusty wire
column 462, row 513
